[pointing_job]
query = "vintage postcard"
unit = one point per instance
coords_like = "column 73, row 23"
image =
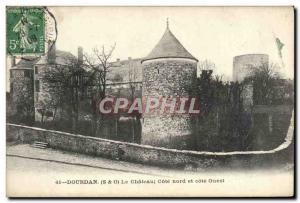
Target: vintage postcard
column 150, row 101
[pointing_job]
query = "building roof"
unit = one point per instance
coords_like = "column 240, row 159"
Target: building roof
column 62, row 58
column 169, row 47
column 123, row 69
column 26, row 63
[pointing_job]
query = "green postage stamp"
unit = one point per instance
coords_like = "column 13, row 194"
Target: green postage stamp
column 25, row 30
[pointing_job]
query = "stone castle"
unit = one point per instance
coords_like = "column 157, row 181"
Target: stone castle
column 167, row 71
column 243, row 65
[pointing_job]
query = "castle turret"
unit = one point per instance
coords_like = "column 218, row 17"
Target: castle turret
column 21, row 89
column 245, row 66
column 167, row 72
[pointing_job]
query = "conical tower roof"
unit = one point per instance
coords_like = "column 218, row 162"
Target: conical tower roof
column 169, row 47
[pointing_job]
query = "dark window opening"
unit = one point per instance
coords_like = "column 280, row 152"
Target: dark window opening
column 49, row 114
column 27, row 73
column 37, row 86
column 11, row 87
column 157, row 70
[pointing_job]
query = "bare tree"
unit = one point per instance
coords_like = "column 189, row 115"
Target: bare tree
column 117, row 78
column 64, row 83
column 98, row 64
column 264, row 79
column 22, row 89
column 132, row 78
column 49, row 105
column 206, row 65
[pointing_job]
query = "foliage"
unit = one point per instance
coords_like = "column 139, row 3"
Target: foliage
column 222, row 124
column 98, row 64
column 63, row 86
column 22, row 98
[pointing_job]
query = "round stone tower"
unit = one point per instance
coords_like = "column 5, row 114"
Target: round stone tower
column 167, row 72
column 21, row 88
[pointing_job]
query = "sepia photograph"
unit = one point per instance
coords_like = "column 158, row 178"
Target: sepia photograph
column 150, row 101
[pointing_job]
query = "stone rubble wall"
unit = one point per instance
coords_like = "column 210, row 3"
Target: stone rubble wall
column 148, row 154
column 167, row 78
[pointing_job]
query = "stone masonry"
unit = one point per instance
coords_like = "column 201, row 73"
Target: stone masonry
column 168, row 71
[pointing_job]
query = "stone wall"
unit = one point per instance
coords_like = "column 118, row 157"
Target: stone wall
column 22, row 92
column 270, row 125
column 167, row 131
column 168, row 77
column 152, row 155
column 165, row 78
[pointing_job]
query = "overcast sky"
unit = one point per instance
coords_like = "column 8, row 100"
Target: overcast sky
column 216, row 34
